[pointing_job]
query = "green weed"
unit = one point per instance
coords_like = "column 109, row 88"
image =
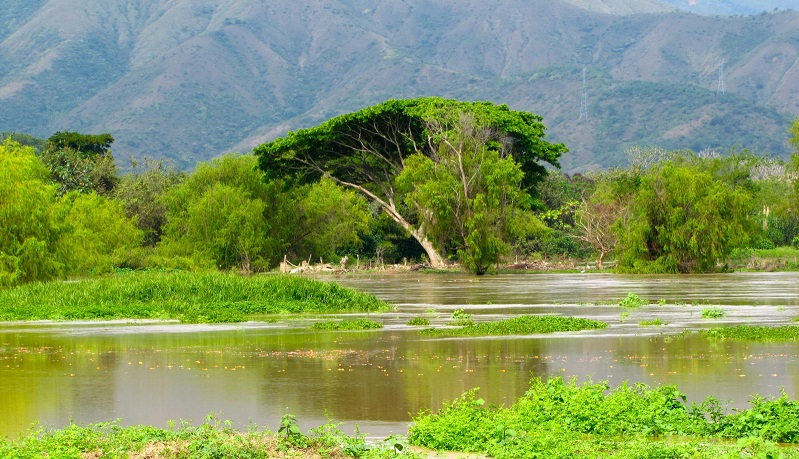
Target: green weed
column 632, row 301
column 561, row 419
column 188, row 297
column 654, row 322
column 522, row 325
column 754, row 333
column 357, row 324
column 461, row 318
column 419, row 321
column 713, row 313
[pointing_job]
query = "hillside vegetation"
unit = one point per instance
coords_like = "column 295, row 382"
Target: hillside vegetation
column 188, row 80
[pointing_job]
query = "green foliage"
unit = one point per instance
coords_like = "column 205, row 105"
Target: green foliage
column 754, row 333
column 81, row 162
column 563, row 419
column 89, row 144
column 213, row 439
column 290, row 433
column 522, row 325
column 461, row 318
column 225, row 215
column 448, row 172
column 98, row 236
column 25, row 140
column 683, row 219
column 632, row 301
column 794, row 132
column 220, row 216
column 29, row 221
column 142, row 192
column 189, row 297
column 713, row 313
column 419, row 321
column 355, row 324
column 327, row 218
column 654, row 322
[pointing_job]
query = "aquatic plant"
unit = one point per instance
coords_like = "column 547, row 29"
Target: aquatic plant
column 419, row 321
column 713, row 313
column 654, row 322
column 188, row 297
column 522, row 325
column 754, row 333
column 356, row 324
column 632, row 301
column 461, row 318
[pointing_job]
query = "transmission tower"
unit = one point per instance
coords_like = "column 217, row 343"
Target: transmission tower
column 584, row 102
column 720, row 89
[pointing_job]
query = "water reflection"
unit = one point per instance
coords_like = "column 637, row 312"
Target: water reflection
column 257, row 372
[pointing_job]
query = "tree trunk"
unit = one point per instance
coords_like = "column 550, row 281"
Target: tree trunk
column 601, row 259
column 436, row 261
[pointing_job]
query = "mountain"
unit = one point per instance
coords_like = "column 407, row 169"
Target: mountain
column 190, row 79
column 732, row 7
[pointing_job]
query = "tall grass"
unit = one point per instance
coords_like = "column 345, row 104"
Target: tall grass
column 189, row 297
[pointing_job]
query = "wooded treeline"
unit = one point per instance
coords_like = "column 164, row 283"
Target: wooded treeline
column 466, row 179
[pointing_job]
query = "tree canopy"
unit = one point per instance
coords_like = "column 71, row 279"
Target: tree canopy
column 81, row 162
column 367, row 150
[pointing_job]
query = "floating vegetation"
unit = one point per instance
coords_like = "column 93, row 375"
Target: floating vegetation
column 357, row 324
column 654, row 322
column 754, row 333
column 461, row 319
column 713, row 313
column 419, row 322
column 522, row 325
column 632, row 301
column 188, row 297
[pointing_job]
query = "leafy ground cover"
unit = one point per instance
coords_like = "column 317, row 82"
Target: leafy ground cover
column 189, row 297
column 522, row 325
column 563, row 419
column 754, row 333
column 357, row 324
column 211, row 440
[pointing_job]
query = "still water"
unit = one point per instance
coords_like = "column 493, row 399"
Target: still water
column 255, row 372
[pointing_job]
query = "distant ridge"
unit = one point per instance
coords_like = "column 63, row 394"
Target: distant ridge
column 190, row 79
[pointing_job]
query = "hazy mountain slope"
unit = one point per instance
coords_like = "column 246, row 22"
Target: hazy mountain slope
column 189, row 79
column 732, row 7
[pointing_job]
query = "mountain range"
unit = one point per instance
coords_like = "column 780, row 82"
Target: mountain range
column 188, row 80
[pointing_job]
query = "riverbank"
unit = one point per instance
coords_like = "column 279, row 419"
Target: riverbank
column 555, row 418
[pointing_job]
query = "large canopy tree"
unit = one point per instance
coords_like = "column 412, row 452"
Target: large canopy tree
column 368, row 149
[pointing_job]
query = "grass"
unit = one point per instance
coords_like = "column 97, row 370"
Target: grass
column 563, row 419
column 211, row 440
column 754, row 333
column 357, row 324
column 522, row 325
column 188, row 297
